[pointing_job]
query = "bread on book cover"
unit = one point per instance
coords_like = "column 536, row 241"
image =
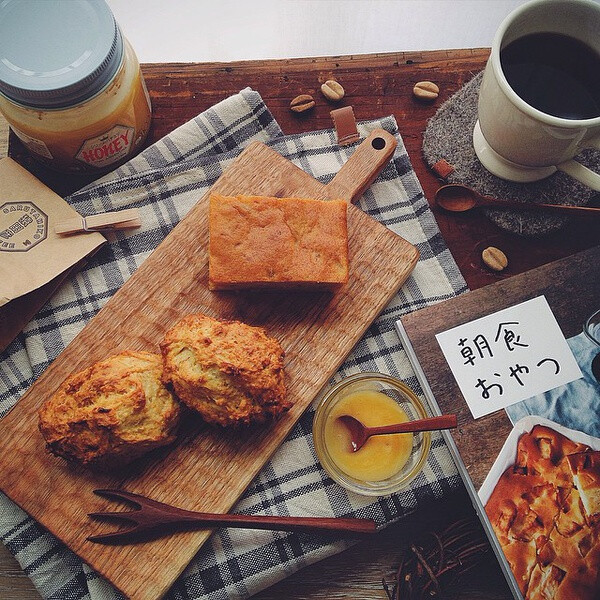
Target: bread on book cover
column 544, row 511
column 585, row 468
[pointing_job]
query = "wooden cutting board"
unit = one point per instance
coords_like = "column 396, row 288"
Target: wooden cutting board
column 208, row 468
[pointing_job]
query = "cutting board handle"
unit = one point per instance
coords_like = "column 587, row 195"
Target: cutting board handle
column 361, row 169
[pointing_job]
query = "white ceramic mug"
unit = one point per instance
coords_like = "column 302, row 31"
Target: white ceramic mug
column 516, row 141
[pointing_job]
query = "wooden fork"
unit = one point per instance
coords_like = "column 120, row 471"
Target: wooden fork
column 152, row 519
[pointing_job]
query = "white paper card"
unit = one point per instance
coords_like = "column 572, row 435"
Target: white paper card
column 508, row 356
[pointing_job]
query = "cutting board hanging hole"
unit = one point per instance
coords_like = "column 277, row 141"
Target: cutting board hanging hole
column 378, row 143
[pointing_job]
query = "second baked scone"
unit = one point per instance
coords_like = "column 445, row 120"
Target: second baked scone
column 229, row 372
column 111, row 412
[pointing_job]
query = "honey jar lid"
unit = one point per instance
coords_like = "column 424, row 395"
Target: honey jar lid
column 57, row 53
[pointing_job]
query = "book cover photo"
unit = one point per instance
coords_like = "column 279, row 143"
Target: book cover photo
column 518, row 362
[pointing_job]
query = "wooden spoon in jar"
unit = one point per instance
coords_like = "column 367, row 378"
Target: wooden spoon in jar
column 360, row 433
column 456, row 197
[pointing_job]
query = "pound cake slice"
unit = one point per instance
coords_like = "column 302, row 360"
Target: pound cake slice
column 257, row 241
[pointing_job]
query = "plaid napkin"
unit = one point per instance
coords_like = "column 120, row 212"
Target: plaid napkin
column 164, row 182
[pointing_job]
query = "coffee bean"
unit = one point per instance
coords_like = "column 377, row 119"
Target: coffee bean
column 302, row 103
column 426, row 90
column 494, row 258
column 332, row 90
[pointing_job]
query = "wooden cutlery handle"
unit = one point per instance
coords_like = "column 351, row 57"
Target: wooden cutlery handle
column 302, row 524
column 428, row 424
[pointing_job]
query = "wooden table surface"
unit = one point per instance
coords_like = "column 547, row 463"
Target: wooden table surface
column 376, row 85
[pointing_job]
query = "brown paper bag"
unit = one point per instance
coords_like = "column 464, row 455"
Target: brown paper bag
column 33, row 258
column 31, row 253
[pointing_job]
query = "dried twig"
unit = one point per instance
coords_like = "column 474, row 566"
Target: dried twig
column 430, row 567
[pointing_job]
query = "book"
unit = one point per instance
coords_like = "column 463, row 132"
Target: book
column 486, row 444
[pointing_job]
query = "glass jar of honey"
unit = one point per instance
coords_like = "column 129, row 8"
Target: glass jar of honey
column 386, row 463
column 71, row 87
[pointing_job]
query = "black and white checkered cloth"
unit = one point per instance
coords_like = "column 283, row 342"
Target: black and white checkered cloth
column 164, row 182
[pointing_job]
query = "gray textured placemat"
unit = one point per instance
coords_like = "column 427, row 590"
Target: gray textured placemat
column 449, row 136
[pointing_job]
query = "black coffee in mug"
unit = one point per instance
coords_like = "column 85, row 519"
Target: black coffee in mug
column 557, row 74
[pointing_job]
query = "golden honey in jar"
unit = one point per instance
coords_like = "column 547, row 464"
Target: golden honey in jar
column 386, row 463
column 382, row 456
column 71, row 87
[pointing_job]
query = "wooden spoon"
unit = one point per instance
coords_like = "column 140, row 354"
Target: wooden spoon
column 360, row 433
column 456, row 197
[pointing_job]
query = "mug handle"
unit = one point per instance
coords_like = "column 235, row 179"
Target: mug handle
column 581, row 173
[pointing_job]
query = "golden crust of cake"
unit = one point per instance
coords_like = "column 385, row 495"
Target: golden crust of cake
column 229, row 372
column 521, row 510
column 259, row 241
column 544, row 450
column 567, row 562
column 549, row 535
column 111, row 412
column 585, row 467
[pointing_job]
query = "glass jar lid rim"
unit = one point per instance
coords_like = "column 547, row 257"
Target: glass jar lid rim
column 49, row 71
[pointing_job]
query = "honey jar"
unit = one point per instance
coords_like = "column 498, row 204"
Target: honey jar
column 71, row 87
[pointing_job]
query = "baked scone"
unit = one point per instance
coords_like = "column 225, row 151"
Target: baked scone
column 545, row 513
column 111, row 412
column 259, row 241
column 229, row 372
